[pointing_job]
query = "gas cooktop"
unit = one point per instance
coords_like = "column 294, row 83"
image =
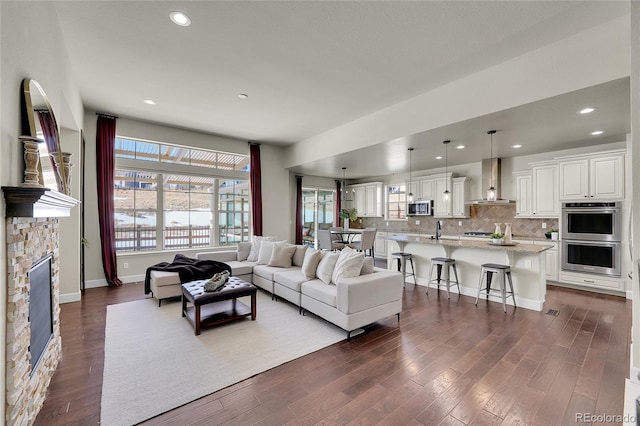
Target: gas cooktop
column 477, row 234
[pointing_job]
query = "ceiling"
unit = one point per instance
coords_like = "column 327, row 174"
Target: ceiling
column 310, row 66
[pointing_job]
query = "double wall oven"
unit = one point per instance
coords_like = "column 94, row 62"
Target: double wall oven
column 591, row 237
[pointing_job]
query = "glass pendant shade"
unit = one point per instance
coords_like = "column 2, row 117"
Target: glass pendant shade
column 446, row 195
column 491, row 192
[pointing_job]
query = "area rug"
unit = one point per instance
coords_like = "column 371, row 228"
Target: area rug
column 153, row 362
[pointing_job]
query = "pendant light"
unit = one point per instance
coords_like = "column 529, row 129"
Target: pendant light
column 446, row 195
column 410, row 193
column 344, row 188
column 491, row 192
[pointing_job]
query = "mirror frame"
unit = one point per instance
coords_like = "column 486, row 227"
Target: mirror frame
column 29, row 128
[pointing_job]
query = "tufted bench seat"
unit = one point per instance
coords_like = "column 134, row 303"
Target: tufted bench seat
column 219, row 306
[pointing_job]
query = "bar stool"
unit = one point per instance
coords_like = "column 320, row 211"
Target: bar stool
column 439, row 263
column 503, row 271
column 402, row 258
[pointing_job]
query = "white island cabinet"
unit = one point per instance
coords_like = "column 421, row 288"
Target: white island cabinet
column 527, row 261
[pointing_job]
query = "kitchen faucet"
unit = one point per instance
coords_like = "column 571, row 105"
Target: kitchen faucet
column 438, row 229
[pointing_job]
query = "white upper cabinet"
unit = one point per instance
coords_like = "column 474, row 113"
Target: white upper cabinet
column 598, row 176
column 524, row 194
column 426, row 189
column 367, row 199
column 546, row 200
column 460, row 195
column 442, row 208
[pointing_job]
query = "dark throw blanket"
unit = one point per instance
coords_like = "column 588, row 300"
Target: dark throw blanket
column 188, row 269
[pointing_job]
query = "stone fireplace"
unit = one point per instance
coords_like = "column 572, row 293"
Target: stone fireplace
column 32, row 234
column 29, row 240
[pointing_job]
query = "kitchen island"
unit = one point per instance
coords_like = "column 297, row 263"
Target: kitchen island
column 527, row 261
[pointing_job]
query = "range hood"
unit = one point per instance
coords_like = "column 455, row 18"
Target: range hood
column 491, row 176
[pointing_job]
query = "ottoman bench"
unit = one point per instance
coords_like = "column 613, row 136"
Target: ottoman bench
column 219, row 306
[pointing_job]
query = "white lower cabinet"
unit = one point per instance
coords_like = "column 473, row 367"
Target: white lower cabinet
column 380, row 245
column 595, row 281
column 552, row 260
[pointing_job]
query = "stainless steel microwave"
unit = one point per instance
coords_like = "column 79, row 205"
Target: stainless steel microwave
column 420, row 208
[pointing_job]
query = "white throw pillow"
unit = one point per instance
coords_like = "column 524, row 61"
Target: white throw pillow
column 298, row 256
column 348, row 265
column 310, row 264
column 281, row 255
column 266, row 249
column 326, row 266
column 243, row 251
column 367, row 266
column 256, row 242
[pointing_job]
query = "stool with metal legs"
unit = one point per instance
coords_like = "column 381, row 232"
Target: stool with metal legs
column 504, row 273
column 402, row 258
column 440, row 263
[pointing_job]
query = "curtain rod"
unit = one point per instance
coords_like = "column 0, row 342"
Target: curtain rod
column 103, row 114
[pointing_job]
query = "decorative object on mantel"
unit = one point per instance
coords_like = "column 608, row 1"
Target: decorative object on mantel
column 31, row 161
column 64, row 169
column 36, row 202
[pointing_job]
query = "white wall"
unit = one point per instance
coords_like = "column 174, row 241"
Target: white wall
column 32, row 46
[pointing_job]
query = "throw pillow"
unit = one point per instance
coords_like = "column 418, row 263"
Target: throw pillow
column 281, row 255
column 298, row 256
column 266, row 249
column 256, row 242
column 367, row 266
column 348, row 265
column 243, row 251
column 326, row 266
column 310, row 264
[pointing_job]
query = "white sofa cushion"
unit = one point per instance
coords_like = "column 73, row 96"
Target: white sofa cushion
column 367, row 266
column 240, row 268
column 298, row 256
column 311, row 259
column 281, row 255
column 267, row 272
column 163, row 278
column 326, row 266
column 292, row 279
column 244, row 248
column 318, row 290
column 348, row 265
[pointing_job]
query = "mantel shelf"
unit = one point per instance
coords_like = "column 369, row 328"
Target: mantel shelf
column 36, row 202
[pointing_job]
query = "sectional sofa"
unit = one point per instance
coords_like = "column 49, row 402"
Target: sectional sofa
column 350, row 303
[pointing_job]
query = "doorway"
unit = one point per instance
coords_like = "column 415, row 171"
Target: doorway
column 318, row 213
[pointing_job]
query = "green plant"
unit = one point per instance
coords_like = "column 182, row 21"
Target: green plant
column 496, row 236
column 351, row 214
column 554, row 230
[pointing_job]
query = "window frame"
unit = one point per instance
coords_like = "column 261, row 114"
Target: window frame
column 386, row 202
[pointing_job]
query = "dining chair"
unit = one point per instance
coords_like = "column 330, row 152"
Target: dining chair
column 325, row 241
column 367, row 240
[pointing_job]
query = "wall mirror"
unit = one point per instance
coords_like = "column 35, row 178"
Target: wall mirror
column 39, row 121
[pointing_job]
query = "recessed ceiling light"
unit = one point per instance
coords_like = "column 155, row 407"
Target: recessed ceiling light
column 597, row 132
column 460, row 147
column 587, row 110
column 439, row 157
column 149, row 102
column 516, row 146
column 180, row 18
column 243, row 96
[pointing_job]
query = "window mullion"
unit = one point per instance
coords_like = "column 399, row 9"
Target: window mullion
column 160, row 212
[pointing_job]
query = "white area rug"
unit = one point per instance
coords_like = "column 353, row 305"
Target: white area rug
column 153, row 362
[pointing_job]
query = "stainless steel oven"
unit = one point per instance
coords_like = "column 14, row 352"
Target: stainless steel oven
column 592, row 221
column 596, row 257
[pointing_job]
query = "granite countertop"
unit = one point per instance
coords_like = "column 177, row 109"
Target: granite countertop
column 477, row 244
column 427, row 235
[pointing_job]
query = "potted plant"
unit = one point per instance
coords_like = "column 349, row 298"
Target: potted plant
column 497, row 238
column 348, row 214
column 554, row 234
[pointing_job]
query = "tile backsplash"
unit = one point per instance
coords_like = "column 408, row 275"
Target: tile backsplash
column 482, row 217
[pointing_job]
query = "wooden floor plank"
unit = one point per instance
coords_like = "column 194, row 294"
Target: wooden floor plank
column 447, row 362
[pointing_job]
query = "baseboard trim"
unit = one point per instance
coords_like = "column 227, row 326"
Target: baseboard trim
column 70, row 297
column 128, row 279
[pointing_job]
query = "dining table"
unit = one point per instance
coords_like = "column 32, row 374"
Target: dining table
column 346, row 235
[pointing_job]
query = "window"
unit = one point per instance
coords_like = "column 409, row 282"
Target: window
column 172, row 197
column 396, row 202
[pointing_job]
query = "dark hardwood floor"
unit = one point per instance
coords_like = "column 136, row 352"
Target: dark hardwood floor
column 446, row 363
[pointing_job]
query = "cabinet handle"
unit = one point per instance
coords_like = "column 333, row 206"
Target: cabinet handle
column 585, row 196
column 589, row 281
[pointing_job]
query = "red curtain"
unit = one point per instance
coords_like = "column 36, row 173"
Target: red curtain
column 299, row 209
column 48, row 125
column 105, row 165
column 338, row 203
column 255, row 177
